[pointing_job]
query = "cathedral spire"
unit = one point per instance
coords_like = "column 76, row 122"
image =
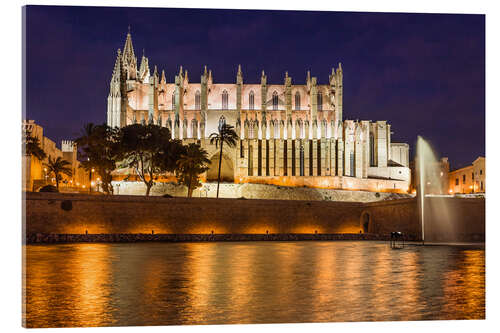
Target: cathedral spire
column 210, row 79
column 186, row 78
column 205, row 70
column 239, row 76
column 155, row 74
column 144, row 69
column 117, row 69
column 128, row 49
column 263, row 79
column 163, row 78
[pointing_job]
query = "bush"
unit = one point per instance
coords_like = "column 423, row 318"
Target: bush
column 167, row 196
column 49, row 188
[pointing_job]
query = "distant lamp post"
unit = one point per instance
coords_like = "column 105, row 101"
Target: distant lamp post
column 90, row 180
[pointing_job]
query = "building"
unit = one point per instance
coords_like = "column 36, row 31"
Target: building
column 35, row 174
column 470, row 179
column 290, row 134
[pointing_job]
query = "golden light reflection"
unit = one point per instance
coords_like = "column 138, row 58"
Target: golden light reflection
column 249, row 282
column 80, row 299
column 463, row 287
column 92, row 281
column 325, row 280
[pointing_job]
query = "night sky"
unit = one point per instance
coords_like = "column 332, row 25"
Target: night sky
column 423, row 73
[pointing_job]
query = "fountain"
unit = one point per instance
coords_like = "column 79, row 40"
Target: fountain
column 434, row 205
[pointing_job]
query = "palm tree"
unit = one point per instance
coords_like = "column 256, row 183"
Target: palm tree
column 31, row 146
column 58, row 167
column 190, row 165
column 226, row 135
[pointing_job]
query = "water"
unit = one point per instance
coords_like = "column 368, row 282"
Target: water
column 250, row 282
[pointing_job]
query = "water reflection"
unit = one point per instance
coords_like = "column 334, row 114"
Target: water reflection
column 266, row 282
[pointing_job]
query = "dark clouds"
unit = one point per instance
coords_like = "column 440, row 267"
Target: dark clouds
column 423, row 73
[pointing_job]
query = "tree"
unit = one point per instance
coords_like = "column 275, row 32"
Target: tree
column 58, row 167
column 225, row 135
column 97, row 144
column 31, row 146
column 190, row 165
column 147, row 149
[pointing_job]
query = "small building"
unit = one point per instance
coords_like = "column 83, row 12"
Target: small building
column 469, row 179
column 35, row 173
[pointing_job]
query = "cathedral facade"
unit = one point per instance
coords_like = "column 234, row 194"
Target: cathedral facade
column 290, row 134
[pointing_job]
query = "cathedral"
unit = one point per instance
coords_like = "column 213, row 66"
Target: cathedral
column 290, row 134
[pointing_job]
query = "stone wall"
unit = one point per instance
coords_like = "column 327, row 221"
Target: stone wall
column 57, row 213
column 255, row 191
column 132, row 214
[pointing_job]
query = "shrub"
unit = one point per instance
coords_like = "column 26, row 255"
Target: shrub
column 49, row 188
column 167, row 196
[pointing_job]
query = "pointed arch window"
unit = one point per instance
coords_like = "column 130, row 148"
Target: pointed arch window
column 276, row 129
column 173, row 101
column 275, row 100
column 301, row 129
column 372, row 150
column 297, row 101
column 251, row 100
column 320, row 101
column 222, row 122
column 251, row 130
column 225, row 98
column 194, row 129
column 197, row 100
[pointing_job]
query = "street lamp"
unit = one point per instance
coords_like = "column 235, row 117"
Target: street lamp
column 90, row 180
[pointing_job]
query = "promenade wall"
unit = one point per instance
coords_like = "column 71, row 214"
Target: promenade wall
column 58, row 213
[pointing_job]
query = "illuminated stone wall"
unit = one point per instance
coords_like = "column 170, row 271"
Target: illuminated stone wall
column 292, row 191
column 49, row 213
column 52, row 213
column 133, row 214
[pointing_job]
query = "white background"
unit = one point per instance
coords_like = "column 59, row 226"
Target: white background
column 10, row 110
